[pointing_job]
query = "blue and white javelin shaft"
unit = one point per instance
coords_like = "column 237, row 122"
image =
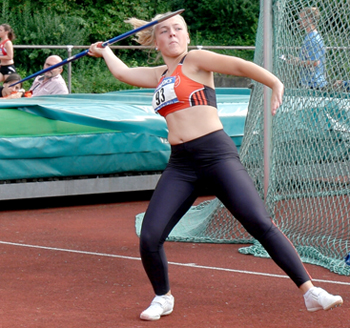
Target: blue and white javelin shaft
column 104, row 44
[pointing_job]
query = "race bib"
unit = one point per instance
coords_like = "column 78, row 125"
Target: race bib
column 165, row 94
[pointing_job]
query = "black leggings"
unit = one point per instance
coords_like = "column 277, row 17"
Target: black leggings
column 211, row 161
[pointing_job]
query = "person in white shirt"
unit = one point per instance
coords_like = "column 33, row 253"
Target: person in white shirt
column 52, row 82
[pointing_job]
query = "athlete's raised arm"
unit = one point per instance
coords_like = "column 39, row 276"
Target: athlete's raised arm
column 146, row 77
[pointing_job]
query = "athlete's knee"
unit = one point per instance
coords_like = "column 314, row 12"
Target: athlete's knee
column 149, row 241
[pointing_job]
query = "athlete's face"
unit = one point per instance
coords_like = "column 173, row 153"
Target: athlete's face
column 172, row 36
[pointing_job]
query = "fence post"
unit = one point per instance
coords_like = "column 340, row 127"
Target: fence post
column 267, row 8
column 69, row 51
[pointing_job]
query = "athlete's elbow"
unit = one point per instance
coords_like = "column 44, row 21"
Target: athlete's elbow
column 118, row 73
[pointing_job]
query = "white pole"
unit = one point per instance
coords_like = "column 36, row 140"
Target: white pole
column 267, row 11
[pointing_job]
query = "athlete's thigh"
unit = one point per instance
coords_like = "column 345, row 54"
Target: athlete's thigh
column 234, row 187
column 174, row 194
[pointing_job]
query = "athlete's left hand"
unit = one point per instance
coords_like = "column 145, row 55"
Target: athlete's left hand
column 277, row 95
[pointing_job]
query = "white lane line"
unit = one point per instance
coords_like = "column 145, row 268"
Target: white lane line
column 191, row 265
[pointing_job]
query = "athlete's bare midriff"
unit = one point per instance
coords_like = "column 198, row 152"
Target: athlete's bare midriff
column 6, row 62
column 191, row 123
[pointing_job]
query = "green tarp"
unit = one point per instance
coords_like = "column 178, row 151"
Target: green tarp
column 95, row 134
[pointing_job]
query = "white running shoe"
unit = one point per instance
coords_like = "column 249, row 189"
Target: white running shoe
column 318, row 299
column 161, row 305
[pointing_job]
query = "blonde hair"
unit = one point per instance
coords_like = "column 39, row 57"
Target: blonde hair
column 147, row 37
column 312, row 13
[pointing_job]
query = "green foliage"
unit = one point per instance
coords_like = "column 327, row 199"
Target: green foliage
column 91, row 75
column 82, row 22
column 222, row 23
column 104, row 18
column 43, row 28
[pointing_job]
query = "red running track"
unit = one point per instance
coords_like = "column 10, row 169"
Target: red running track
column 78, row 266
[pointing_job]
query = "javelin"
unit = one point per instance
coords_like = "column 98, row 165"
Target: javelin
column 104, row 44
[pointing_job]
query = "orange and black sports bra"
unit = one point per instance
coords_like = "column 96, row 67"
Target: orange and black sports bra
column 178, row 92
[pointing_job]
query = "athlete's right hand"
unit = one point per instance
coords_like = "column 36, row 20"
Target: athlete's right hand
column 96, row 50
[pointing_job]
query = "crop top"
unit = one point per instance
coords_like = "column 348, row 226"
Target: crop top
column 2, row 48
column 178, row 92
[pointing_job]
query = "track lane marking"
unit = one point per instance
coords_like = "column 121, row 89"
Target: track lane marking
column 191, row 265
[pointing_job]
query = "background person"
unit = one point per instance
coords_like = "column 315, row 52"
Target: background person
column 52, row 82
column 201, row 154
column 6, row 52
column 312, row 55
column 13, row 92
column 342, row 85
